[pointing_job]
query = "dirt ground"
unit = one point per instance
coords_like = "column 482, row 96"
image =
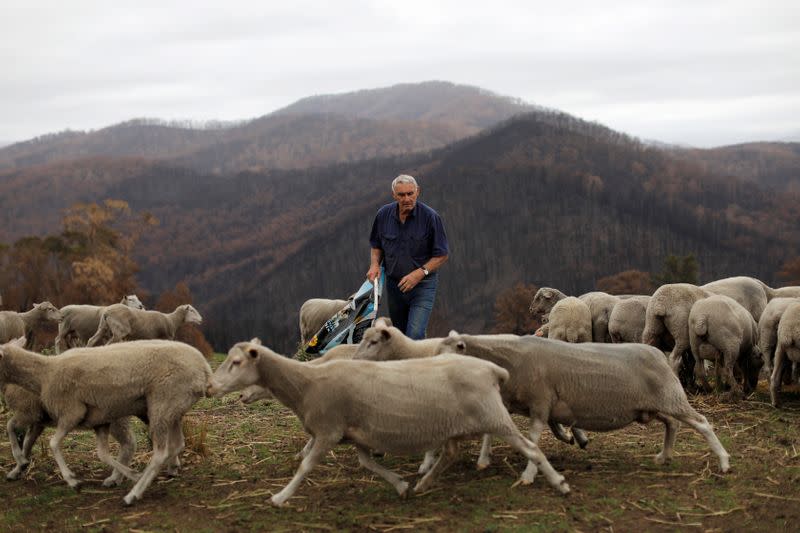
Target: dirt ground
column 237, row 456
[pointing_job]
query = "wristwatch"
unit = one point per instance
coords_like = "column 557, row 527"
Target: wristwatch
column 425, row 271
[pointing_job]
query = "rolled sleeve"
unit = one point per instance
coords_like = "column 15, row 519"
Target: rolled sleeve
column 440, row 244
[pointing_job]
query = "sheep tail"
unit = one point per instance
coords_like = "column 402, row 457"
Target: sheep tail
column 700, row 326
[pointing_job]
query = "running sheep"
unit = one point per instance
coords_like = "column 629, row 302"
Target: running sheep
column 399, row 407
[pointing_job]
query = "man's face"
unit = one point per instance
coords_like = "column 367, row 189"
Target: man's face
column 406, row 196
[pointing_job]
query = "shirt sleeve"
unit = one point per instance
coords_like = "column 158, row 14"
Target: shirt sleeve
column 440, row 245
column 374, row 235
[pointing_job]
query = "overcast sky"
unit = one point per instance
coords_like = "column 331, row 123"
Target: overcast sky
column 698, row 72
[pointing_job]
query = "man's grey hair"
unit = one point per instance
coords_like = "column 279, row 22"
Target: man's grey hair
column 404, row 178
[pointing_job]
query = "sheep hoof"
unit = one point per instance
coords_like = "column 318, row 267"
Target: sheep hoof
column 563, row 488
column 404, row 490
column 129, row 499
column 111, row 481
column 661, row 459
column 13, row 475
column 277, row 500
column 483, row 464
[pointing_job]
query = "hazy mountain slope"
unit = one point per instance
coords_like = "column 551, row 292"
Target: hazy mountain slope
column 433, row 101
column 377, row 123
column 772, row 164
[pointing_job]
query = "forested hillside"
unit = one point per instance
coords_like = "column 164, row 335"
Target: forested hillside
column 542, row 199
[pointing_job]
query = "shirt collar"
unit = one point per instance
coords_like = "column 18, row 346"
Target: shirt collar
column 412, row 214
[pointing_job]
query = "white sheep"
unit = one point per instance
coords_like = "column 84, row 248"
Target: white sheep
column 120, row 322
column 751, row 293
column 599, row 387
column 570, row 321
column 28, row 414
column 383, row 342
column 314, row 313
column 722, row 331
column 399, row 407
column 155, row 380
column 787, row 348
column 768, row 328
column 14, row 325
column 626, row 322
column 79, row 322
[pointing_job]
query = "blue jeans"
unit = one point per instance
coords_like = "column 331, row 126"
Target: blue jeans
column 411, row 310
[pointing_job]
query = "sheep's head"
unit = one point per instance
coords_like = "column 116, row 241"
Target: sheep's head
column 192, row 316
column 132, row 301
column 544, row 300
column 453, row 343
column 239, row 370
column 376, row 343
column 48, row 311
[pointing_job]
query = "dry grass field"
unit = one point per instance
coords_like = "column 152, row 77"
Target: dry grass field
column 237, row 456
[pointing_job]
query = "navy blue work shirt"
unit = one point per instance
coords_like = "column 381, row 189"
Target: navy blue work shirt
column 407, row 246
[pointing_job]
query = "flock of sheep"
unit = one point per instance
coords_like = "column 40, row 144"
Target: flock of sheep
column 395, row 395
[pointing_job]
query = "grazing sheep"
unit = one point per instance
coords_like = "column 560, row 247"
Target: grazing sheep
column 667, row 325
column 594, row 386
column 155, row 380
column 570, row 321
column 787, row 348
column 28, row 414
column 385, row 343
column 543, row 301
column 79, row 322
column 14, row 325
column 124, row 323
column 626, row 322
column 399, row 407
column 314, row 313
column 751, row 293
column 784, row 292
column 600, row 305
column 768, row 328
column 722, row 331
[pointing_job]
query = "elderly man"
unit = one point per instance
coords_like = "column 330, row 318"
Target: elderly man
column 409, row 238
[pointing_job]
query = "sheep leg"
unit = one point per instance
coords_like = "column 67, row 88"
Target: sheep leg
column 777, row 375
column 307, row 448
column 365, row 459
column 318, row 450
column 427, row 462
column 16, row 451
column 104, row 454
column 671, row 427
column 445, row 460
column 162, row 453
column 580, row 437
column 537, row 426
column 60, row 338
column 730, row 357
column 485, row 457
column 560, row 433
column 123, row 434
column 177, row 445
column 64, row 427
column 700, row 424
column 535, row 456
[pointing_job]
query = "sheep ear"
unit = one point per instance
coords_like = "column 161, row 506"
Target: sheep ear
column 20, row 342
column 453, row 333
column 385, row 334
column 255, row 340
column 547, row 293
column 461, row 345
column 252, row 352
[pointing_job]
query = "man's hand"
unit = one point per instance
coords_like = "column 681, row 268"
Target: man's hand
column 410, row 280
column 373, row 272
